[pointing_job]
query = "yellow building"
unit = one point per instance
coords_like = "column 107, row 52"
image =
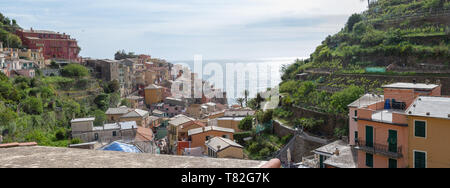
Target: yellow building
column 33, row 55
column 429, row 130
column 153, row 94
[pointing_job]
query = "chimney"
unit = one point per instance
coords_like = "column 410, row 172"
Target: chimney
column 414, row 81
column 31, row 29
column 337, row 152
column 218, row 148
column 448, row 115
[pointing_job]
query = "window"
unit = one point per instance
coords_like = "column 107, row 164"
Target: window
column 392, row 163
column 356, row 113
column 369, row 136
column 369, row 160
column 392, row 141
column 420, row 159
column 226, row 136
column 420, row 129
column 96, row 136
column 114, row 133
column 356, row 136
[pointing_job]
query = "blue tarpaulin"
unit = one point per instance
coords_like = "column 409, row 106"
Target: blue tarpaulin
column 118, row 146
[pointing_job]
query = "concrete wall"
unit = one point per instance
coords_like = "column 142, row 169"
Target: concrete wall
column 231, row 153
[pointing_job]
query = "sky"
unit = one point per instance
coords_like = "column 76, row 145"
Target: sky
column 179, row 29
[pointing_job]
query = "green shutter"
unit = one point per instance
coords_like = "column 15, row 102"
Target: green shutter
column 419, row 159
column 392, row 140
column 420, row 129
column 369, row 136
column 392, row 163
column 356, row 136
column 369, row 160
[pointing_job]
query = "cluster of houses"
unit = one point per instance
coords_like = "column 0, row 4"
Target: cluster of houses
column 407, row 127
column 40, row 49
column 153, row 132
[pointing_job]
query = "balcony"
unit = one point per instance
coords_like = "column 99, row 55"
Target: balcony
column 380, row 149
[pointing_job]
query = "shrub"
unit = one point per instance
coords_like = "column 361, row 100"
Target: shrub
column 32, row 105
column 286, row 139
column 246, row 124
column 265, row 152
column 60, row 134
column 76, row 141
column 352, row 21
column 74, row 70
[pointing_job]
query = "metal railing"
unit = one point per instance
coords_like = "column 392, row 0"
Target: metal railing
column 382, row 149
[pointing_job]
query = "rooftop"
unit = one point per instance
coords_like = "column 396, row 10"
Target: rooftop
column 116, row 111
column 209, row 128
column 180, row 119
column 347, row 157
column 411, row 86
column 367, row 100
column 136, row 113
column 224, row 143
column 51, row 157
column 82, row 120
column 437, row 107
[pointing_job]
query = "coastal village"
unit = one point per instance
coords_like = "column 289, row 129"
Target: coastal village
column 330, row 114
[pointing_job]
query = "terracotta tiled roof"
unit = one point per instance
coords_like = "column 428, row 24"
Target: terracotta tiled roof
column 144, row 134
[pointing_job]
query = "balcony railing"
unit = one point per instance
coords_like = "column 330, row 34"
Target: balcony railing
column 381, row 149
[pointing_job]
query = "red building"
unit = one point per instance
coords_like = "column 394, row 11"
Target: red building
column 53, row 44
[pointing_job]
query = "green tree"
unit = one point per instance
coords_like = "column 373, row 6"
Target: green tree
column 341, row 100
column 102, row 101
column 352, row 21
column 32, row 105
column 240, row 101
column 100, row 118
column 114, row 100
column 246, row 124
column 74, row 70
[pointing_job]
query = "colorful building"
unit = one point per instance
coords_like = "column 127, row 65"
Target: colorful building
column 383, row 129
column 429, row 129
column 199, row 136
column 53, row 45
column 153, row 94
column 219, row 147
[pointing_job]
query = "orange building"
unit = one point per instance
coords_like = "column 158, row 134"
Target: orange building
column 382, row 128
column 153, row 94
column 199, row 136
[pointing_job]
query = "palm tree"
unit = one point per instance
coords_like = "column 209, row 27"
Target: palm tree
column 240, row 101
column 246, row 94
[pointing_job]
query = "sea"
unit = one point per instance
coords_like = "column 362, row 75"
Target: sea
column 261, row 74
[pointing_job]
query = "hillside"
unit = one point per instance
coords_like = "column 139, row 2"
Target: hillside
column 404, row 36
column 393, row 41
column 7, row 29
